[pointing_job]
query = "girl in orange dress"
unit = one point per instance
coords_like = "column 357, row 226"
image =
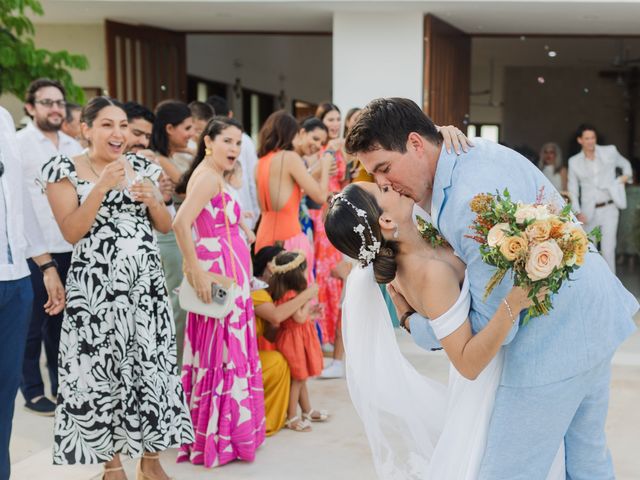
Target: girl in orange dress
column 296, row 338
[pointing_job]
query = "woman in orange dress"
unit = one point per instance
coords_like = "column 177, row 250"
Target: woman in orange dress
column 281, row 176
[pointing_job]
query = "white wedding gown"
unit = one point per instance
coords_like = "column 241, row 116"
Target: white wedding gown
column 417, row 428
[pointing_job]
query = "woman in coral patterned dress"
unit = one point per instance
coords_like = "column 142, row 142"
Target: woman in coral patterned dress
column 326, row 256
column 221, row 371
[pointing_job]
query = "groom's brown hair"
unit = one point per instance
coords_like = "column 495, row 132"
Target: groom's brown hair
column 385, row 123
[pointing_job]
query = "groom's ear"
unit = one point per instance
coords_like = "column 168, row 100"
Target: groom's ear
column 415, row 142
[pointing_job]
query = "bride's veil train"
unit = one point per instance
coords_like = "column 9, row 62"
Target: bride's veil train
column 402, row 411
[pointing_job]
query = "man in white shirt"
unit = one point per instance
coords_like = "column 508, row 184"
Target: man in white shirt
column 597, row 193
column 20, row 238
column 38, row 142
column 248, row 158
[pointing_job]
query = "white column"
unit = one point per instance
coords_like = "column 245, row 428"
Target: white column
column 377, row 55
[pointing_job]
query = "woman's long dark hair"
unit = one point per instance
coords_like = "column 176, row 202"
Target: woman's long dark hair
column 214, row 128
column 168, row 112
column 325, row 108
column 277, row 133
column 340, row 220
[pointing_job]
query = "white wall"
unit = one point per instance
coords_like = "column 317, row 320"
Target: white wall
column 299, row 65
column 377, row 55
column 87, row 40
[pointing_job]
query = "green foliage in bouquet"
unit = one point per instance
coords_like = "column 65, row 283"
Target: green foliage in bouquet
column 21, row 62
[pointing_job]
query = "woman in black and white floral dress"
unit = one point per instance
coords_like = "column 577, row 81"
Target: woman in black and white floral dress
column 119, row 392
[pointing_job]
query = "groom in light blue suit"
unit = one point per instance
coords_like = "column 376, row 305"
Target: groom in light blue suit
column 555, row 382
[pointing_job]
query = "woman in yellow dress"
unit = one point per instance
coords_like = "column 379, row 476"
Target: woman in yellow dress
column 276, row 377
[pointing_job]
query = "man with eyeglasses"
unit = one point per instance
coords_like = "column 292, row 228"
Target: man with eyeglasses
column 20, row 238
column 38, row 142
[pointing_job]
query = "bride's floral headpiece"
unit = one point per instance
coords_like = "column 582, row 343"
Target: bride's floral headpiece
column 368, row 251
column 287, row 267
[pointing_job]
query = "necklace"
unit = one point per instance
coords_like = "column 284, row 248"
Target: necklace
column 90, row 163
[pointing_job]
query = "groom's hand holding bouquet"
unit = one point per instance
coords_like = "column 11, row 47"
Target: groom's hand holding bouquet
column 539, row 243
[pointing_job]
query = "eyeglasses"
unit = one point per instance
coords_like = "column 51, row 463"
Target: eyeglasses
column 48, row 103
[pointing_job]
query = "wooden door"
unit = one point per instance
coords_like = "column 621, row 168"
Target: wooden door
column 145, row 64
column 447, row 73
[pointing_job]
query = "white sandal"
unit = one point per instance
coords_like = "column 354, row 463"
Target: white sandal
column 298, row 425
column 316, row 415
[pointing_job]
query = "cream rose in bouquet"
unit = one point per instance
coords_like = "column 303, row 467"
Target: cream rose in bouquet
column 540, row 244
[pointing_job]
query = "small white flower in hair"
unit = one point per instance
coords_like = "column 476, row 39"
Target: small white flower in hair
column 367, row 252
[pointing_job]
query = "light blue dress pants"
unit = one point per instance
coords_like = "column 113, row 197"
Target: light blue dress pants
column 528, row 424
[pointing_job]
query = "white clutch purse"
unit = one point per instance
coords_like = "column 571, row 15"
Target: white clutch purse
column 223, row 298
column 220, row 307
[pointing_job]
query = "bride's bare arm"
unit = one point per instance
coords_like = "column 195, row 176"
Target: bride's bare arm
column 469, row 353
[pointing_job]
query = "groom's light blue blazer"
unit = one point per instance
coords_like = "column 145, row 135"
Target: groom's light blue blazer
column 592, row 314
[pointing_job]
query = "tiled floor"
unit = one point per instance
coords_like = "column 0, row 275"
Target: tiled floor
column 339, row 448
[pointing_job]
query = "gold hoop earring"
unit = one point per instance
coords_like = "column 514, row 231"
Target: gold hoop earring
column 208, row 152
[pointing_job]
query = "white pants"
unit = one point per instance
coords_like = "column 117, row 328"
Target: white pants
column 607, row 219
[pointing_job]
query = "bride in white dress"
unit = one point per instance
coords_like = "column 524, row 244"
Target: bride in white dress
column 417, row 428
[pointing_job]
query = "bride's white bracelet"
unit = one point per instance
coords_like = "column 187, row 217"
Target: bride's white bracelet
column 513, row 319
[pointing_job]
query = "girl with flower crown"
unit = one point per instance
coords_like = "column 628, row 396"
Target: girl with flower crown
column 297, row 339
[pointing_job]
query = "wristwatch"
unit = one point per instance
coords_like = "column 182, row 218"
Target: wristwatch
column 403, row 320
column 48, row 265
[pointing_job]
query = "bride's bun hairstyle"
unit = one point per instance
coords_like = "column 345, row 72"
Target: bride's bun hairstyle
column 352, row 227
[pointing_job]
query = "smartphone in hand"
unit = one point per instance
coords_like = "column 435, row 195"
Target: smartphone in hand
column 218, row 294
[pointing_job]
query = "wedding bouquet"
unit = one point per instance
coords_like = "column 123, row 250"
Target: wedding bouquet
column 540, row 244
